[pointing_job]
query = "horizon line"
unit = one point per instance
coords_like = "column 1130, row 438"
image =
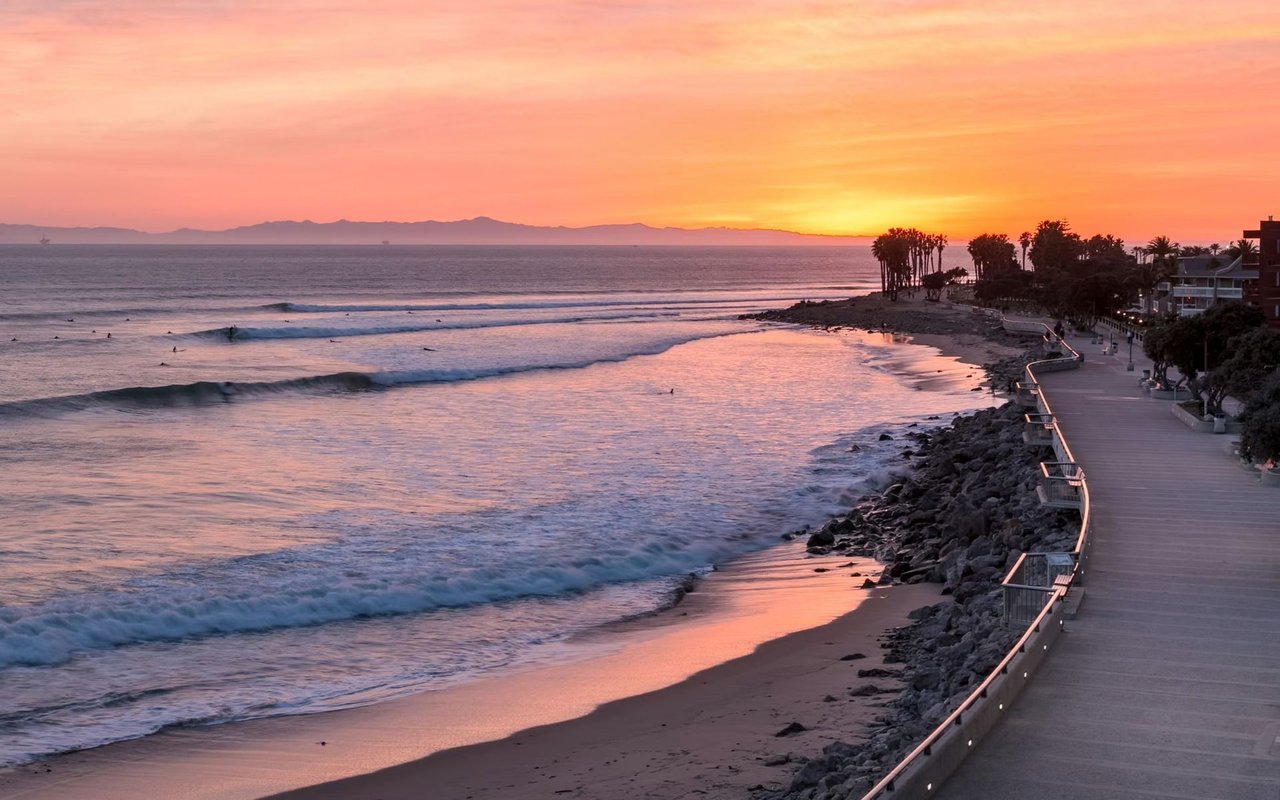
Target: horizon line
column 478, row 218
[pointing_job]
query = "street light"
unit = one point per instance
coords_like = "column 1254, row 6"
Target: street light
column 1130, row 367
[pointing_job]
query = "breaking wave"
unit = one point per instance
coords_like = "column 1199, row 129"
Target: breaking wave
column 348, row 579
column 331, row 332
column 384, row 567
column 213, row 392
column 518, row 305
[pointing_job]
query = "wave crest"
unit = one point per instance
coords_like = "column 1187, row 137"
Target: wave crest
column 333, row 332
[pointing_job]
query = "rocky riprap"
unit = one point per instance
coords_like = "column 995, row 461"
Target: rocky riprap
column 875, row 313
column 961, row 517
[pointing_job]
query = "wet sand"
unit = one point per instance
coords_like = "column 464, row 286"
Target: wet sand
column 711, row 736
column 754, row 600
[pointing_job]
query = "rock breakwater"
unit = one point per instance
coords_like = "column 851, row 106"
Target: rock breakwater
column 960, row 517
column 875, row 313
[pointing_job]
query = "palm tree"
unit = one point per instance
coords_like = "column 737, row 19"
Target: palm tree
column 1161, row 249
column 1242, row 248
column 1164, row 260
column 1214, row 248
column 878, row 250
column 1024, row 239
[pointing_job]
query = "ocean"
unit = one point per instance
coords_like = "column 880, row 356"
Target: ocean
column 406, row 467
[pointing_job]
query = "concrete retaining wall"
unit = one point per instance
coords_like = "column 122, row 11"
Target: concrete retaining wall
column 1192, row 421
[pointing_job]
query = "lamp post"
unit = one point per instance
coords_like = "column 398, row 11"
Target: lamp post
column 1130, row 367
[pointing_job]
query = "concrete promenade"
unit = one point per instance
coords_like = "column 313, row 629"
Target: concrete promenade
column 1168, row 683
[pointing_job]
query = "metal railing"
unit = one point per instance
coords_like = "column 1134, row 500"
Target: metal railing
column 934, row 759
column 1030, row 580
column 1027, row 394
column 1225, row 292
column 1037, row 429
column 1061, row 483
column 924, row 769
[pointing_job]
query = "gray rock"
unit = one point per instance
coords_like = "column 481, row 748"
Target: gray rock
column 791, row 729
column 823, row 538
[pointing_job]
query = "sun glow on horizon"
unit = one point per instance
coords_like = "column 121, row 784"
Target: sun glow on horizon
column 824, row 117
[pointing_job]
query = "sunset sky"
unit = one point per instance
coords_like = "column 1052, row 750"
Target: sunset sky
column 1131, row 117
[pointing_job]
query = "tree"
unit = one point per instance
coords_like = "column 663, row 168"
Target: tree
column 1106, row 251
column 906, row 256
column 1054, row 247
column 893, row 251
column 991, row 252
column 1155, row 347
column 1242, row 247
column 1085, row 292
column 1142, row 278
column 1192, row 250
column 1251, row 358
column 1003, row 285
column 1163, row 252
column 1024, row 240
column 935, row 282
column 1260, row 423
column 1196, row 344
column 1164, row 262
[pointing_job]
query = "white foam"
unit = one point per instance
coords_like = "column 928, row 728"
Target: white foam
column 337, row 331
column 254, row 594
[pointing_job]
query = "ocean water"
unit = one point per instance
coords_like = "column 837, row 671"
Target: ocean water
column 409, row 467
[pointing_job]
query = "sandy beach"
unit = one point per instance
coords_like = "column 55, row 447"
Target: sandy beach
column 714, row 735
column 692, row 675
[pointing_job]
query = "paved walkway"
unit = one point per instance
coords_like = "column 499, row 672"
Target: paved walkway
column 1168, row 684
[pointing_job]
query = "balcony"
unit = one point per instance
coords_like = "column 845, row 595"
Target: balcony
column 1037, row 429
column 1028, row 394
column 1061, row 484
column 1221, row 292
column 1033, row 576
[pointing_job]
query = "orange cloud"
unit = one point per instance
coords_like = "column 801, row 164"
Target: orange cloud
column 833, row 117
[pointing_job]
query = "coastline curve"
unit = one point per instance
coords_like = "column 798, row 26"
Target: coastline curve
column 922, row 771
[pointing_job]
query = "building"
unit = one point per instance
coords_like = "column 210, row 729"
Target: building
column 1265, row 292
column 1203, row 281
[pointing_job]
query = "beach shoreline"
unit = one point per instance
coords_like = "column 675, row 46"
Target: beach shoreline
column 217, row 749
column 717, row 734
column 750, row 605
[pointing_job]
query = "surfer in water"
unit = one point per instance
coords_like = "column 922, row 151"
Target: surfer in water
column 232, row 330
